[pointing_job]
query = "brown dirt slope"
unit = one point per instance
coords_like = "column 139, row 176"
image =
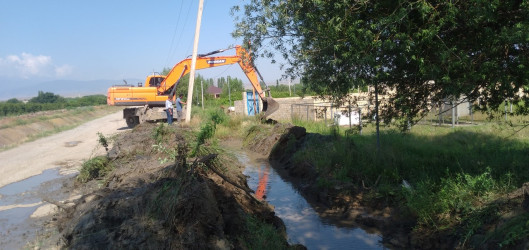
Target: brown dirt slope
column 143, row 204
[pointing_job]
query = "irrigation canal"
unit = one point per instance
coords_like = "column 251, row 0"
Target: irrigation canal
column 303, row 224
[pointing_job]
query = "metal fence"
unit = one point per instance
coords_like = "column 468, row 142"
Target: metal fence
column 445, row 113
column 331, row 114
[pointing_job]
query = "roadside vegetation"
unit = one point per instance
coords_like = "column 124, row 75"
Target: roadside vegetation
column 48, row 101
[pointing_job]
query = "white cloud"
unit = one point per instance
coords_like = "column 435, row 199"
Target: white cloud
column 27, row 65
column 63, row 70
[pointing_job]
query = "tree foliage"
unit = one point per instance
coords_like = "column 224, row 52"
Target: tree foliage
column 48, row 101
column 13, row 100
column 47, row 97
column 425, row 51
column 231, row 85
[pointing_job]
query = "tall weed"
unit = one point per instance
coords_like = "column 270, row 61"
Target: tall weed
column 94, row 168
column 160, row 132
column 451, row 200
column 207, row 131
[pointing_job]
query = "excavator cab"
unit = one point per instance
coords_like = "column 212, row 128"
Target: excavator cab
column 156, row 80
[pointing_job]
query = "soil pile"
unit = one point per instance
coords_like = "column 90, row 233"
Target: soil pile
column 143, row 203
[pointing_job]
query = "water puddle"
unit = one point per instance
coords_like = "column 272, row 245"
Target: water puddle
column 303, row 224
column 19, row 200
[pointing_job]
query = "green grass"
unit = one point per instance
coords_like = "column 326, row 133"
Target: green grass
column 261, row 235
column 94, row 168
column 511, row 232
column 454, row 173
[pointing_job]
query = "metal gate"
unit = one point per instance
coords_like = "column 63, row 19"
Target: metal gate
column 252, row 102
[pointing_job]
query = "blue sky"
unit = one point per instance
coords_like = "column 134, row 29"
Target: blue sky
column 111, row 40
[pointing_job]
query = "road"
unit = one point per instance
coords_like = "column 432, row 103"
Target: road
column 37, row 170
column 50, row 152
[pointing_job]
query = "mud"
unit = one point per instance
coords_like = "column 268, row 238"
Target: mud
column 345, row 204
column 144, row 204
column 25, row 214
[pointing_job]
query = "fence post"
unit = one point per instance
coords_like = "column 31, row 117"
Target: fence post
column 471, row 114
column 440, row 113
column 457, row 112
column 332, row 115
column 360, row 119
column 325, row 115
column 350, row 125
column 453, row 113
column 505, row 105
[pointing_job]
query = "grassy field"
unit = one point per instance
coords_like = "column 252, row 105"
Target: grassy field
column 448, row 178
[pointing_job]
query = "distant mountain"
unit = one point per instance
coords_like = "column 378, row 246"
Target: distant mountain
column 24, row 89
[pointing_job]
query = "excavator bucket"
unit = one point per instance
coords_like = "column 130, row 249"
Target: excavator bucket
column 269, row 106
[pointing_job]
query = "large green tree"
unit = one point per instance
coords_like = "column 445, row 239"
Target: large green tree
column 425, row 51
column 47, row 97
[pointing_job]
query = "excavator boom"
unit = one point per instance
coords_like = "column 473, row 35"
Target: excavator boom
column 155, row 92
column 205, row 61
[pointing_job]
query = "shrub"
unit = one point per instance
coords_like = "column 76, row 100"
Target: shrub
column 94, row 168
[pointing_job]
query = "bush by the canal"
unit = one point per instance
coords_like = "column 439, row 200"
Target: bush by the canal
column 94, row 168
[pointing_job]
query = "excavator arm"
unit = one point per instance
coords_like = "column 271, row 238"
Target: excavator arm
column 204, row 61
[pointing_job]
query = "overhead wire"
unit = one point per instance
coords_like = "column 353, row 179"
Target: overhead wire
column 174, row 34
column 185, row 24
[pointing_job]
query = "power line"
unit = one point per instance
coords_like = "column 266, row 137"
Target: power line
column 174, row 35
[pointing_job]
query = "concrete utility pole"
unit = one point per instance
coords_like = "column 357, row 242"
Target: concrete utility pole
column 202, row 90
column 289, row 91
column 193, row 63
column 229, row 92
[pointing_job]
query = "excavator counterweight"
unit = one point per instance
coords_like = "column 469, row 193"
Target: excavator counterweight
column 152, row 95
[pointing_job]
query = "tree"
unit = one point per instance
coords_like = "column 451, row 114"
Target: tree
column 220, row 82
column 235, row 87
column 47, row 97
column 13, row 100
column 424, row 50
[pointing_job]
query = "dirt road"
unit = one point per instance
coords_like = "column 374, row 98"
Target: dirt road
column 74, row 145
column 39, row 170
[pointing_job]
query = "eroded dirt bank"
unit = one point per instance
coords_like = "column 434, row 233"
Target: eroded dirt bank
column 195, row 203
column 346, row 203
column 204, row 202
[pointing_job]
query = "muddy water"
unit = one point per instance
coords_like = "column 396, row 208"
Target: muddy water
column 19, row 200
column 304, row 225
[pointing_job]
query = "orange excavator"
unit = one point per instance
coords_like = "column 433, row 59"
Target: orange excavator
column 149, row 99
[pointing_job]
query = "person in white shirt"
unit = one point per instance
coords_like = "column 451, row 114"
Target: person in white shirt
column 169, row 110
